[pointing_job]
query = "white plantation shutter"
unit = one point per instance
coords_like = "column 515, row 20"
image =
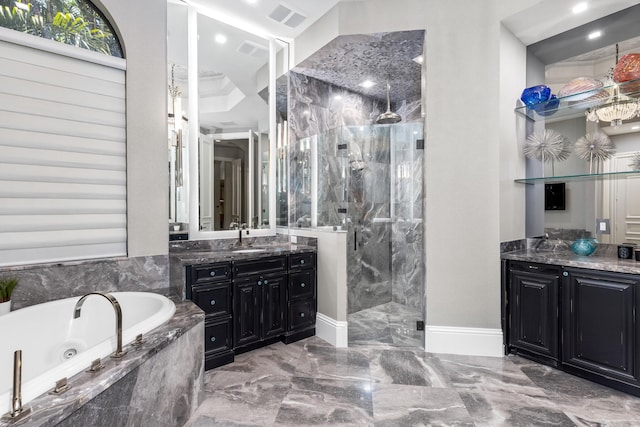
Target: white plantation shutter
column 62, row 152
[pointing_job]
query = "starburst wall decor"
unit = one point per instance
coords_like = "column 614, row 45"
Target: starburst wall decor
column 596, row 147
column 635, row 163
column 547, row 146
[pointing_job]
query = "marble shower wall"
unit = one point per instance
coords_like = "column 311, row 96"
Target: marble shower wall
column 348, row 173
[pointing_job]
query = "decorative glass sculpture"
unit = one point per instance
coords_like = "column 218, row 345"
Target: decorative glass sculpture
column 535, row 95
column 549, row 107
column 584, row 247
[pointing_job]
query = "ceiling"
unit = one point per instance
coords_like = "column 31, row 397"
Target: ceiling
column 294, row 16
column 348, row 60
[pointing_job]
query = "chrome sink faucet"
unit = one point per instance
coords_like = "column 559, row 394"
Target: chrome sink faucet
column 116, row 307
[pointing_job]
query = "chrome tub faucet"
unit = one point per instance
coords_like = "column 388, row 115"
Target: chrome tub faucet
column 116, row 307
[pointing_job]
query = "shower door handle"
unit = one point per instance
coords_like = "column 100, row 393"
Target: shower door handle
column 355, row 240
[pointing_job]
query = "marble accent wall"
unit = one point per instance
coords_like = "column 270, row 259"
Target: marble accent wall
column 40, row 283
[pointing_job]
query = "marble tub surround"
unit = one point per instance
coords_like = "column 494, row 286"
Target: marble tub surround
column 125, row 392
column 311, row 383
column 39, row 283
column 605, row 258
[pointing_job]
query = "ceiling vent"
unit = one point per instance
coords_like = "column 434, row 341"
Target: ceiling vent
column 286, row 16
column 252, row 49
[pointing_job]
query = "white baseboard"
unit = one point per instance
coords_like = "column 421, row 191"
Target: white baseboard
column 332, row 331
column 469, row 341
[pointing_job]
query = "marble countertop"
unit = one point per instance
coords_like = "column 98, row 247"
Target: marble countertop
column 233, row 253
column 597, row 261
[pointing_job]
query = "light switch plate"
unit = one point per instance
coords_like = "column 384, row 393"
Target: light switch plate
column 602, row 226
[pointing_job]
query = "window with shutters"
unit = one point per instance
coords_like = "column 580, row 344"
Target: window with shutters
column 62, row 150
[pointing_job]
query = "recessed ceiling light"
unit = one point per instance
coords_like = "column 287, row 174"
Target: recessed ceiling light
column 221, row 38
column 337, row 97
column 594, row 35
column 580, row 7
column 419, row 59
column 367, row 84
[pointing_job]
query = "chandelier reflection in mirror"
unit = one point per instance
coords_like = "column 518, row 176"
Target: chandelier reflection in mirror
column 621, row 107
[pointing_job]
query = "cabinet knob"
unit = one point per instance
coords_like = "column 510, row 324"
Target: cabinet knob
column 302, row 285
column 212, row 339
column 301, row 314
column 565, row 274
column 212, row 302
column 259, row 282
column 212, row 273
column 301, row 261
column 266, row 282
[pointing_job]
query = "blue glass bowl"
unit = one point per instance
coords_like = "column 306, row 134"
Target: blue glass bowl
column 549, row 107
column 535, row 95
column 584, row 247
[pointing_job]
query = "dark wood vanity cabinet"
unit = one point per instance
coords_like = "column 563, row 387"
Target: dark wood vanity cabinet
column 600, row 325
column 586, row 322
column 210, row 287
column 253, row 302
column 533, row 310
column 301, row 297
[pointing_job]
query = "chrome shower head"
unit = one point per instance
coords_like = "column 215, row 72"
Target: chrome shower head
column 388, row 117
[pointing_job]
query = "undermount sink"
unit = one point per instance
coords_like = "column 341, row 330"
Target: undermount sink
column 248, row 251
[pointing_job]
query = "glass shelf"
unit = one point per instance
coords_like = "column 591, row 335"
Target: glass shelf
column 586, row 176
column 577, row 104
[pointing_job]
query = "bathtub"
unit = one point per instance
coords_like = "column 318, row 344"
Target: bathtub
column 55, row 345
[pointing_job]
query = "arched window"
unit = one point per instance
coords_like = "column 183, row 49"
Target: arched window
column 73, row 22
column 63, row 181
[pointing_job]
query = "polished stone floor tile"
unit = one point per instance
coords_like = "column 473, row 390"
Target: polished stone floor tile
column 326, row 402
column 276, row 359
column 321, row 361
column 407, row 367
column 387, row 325
column 312, row 383
column 487, row 374
column 397, row 405
column 506, row 408
column 239, row 396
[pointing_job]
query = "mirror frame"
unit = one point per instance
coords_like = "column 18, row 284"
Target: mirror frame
column 194, row 127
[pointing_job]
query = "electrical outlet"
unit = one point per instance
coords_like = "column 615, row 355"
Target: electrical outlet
column 294, row 239
column 420, row 325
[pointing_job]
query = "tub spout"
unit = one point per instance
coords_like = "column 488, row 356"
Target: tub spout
column 116, row 307
column 17, row 410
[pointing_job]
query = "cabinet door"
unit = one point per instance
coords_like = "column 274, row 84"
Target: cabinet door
column 273, row 289
column 534, row 313
column 600, row 328
column 246, row 313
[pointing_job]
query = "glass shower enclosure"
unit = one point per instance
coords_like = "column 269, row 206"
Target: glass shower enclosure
column 367, row 181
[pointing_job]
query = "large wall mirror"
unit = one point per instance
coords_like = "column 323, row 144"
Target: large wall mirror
column 220, row 147
column 607, row 208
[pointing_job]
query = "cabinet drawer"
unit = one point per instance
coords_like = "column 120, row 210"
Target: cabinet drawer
column 303, row 260
column 259, row 266
column 209, row 272
column 536, row 268
column 302, row 284
column 217, row 335
column 302, row 314
column 214, row 299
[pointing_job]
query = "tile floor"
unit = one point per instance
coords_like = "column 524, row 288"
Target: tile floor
column 311, row 383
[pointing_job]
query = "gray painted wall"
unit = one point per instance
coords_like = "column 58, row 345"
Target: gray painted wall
column 142, row 28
